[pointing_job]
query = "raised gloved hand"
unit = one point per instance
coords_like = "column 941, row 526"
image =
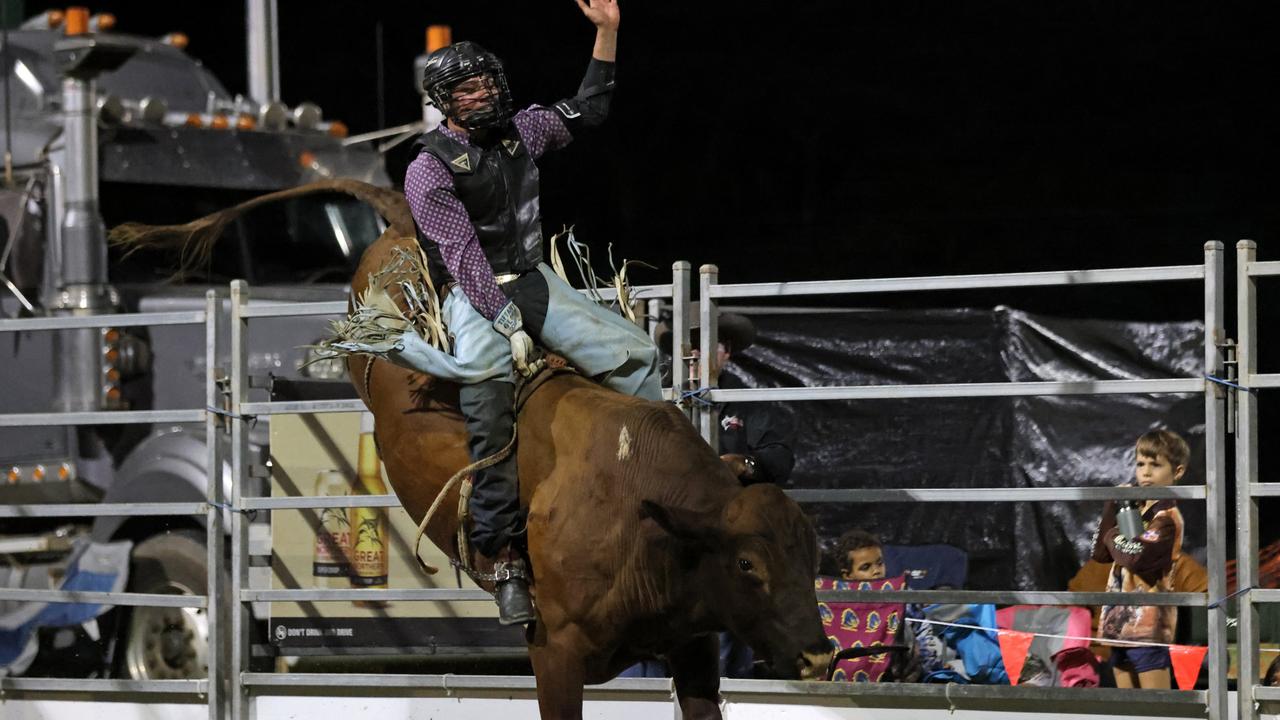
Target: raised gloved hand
column 511, row 325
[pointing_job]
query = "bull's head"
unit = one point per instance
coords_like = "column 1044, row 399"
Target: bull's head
column 756, row 564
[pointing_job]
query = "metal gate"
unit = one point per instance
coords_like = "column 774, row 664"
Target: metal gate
column 234, row 692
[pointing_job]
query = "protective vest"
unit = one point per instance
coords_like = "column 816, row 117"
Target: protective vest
column 498, row 186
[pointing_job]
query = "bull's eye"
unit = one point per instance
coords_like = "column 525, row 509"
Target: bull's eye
column 745, row 565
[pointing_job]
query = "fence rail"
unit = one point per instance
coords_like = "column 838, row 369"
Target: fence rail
column 960, row 390
column 1248, row 489
column 991, row 281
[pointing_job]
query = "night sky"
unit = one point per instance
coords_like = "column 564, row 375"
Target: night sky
column 802, row 140
column 815, row 139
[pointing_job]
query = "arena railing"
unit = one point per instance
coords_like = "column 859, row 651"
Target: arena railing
column 1213, row 492
column 242, row 683
column 246, row 685
column 122, row 690
column 1248, row 487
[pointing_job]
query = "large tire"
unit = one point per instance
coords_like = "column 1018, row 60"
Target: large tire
column 159, row 643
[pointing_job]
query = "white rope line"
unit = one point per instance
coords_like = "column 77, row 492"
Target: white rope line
column 1101, row 641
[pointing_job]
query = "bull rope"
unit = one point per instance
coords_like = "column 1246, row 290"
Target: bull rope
column 464, row 496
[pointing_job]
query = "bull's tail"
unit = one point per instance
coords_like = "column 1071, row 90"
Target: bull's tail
column 196, row 239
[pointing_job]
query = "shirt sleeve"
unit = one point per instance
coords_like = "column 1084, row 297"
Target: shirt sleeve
column 1101, row 551
column 541, row 129
column 769, row 442
column 1150, row 555
column 440, row 215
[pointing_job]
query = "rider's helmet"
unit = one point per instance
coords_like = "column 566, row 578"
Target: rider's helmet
column 467, row 84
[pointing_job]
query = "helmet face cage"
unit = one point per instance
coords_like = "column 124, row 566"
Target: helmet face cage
column 450, row 67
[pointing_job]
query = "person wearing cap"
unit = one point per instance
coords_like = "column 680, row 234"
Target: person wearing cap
column 755, row 440
column 473, row 190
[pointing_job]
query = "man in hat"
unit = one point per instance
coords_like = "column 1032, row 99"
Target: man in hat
column 755, row 439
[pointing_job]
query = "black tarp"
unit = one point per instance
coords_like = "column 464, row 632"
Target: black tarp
column 979, row 443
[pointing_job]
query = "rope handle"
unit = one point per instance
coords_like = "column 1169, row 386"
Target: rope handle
column 481, row 464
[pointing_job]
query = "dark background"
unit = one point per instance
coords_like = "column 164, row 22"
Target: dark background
column 816, row 139
column 805, row 139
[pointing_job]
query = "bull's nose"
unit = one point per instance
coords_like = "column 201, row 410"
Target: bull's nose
column 813, row 665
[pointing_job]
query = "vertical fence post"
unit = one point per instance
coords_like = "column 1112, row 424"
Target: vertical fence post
column 652, row 309
column 1215, row 480
column 708, row 338
column 680, row 348
column 240, row 610
column 216, row 610
column 1246, row 472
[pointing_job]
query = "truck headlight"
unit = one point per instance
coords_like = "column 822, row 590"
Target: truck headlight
column 320, row 365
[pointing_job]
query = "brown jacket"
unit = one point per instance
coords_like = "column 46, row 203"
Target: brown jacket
column 1142, row 564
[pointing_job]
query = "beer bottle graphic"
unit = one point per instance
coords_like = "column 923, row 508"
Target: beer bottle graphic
column 368, row 525
column 329, row 564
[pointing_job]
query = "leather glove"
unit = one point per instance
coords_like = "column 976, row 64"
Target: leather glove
column 742, row 466
column 511, row 325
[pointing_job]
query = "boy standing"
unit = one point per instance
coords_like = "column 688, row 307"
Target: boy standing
column 1144, row 564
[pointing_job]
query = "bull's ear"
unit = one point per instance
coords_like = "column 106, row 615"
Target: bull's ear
column 681, row 523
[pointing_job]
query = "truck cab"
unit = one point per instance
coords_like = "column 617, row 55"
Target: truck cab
column 166, row 143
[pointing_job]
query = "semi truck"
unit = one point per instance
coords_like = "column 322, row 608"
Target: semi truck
column 101, row 127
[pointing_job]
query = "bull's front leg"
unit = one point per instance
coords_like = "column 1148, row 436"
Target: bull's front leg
column 695, row 669
column 560, row 670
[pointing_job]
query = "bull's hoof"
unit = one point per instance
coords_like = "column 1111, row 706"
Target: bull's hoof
column 514, row 605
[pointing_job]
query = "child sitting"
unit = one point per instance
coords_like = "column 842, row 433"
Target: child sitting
column 860, row 555
column 861, row 561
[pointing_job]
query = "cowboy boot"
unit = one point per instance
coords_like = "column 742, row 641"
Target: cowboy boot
column 511, row 575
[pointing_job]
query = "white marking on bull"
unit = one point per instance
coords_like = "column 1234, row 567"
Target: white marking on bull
column 624, row 444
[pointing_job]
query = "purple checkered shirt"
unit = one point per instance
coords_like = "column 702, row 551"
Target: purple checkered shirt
column 428, row 186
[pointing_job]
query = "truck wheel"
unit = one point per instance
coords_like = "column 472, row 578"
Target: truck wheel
column 167, row 643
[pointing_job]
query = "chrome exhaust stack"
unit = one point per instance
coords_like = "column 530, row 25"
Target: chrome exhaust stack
column 81, row 287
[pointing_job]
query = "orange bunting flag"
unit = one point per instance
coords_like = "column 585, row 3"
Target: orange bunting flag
column 1013, row 650
column 1186, row 664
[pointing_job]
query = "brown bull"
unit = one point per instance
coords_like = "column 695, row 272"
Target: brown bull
column 643, row 544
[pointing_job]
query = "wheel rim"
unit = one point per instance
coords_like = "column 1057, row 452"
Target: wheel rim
column 168, row 643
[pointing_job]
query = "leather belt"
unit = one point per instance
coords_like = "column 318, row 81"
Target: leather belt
column 502, row 279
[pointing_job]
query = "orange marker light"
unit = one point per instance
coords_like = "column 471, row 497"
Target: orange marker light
column 14, row 475
column 438, row 36
column 111, row 335
column 307, row 159
column 338, row 129
column 176, row 39
column 194, row 120
column 55, row 18
column 246, row 122
column 38, row 473
column 77, row 20
column 113, row 375
column 219, row 122
column 64, row 471
column 113, row 394
column 102, row 22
